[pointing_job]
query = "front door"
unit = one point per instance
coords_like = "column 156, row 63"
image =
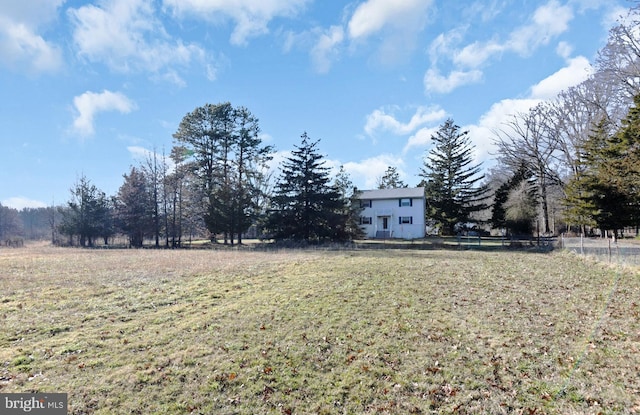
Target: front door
column 383, row 230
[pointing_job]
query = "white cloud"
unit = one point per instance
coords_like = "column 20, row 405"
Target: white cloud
column 421, row 139
column 435, row 82
column 564, row 50
column 251, row 17
column 90, row 103
column 21, row 202
column 395, row 23
column 483, row 133
column 373, row 15
column 577, row 71
column 21, row 46
column 365, row 173
column 380, row 120
column 614, row 16
column 477, row 53
column 549, row 21
column 325, row 49
column 126, row 36
column 444, row 43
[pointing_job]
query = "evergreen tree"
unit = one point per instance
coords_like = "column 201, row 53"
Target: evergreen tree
column 10, row 223
column 136, row 208
column 514, row 206
column 583, row 192
column 606, row 192
column 306, row 207
column 390, row 179
column 451, row 180
column 624, row 165
column 250, row 157
column 226, row 152
column 87, row 214
column 350, row 216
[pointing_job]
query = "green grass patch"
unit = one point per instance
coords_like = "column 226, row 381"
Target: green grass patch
column 297, row 332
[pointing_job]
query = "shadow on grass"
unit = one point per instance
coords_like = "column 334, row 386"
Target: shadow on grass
column 453, row 243
column 464, row 243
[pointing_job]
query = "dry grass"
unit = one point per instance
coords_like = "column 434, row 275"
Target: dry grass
column 360, row 332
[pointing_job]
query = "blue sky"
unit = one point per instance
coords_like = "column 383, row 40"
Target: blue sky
column 91, row 87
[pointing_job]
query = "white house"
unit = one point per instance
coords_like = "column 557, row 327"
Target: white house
column 393, row 213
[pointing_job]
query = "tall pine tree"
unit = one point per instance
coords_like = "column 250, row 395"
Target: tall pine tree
column 451, row 180
column 226, row 154
column 306, row 206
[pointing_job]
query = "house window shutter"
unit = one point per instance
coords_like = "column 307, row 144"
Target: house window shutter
column 400, row 220
column 411, row 220
column 399, row 202
column 410, row 202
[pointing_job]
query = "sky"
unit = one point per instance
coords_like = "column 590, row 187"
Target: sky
column 91, row 88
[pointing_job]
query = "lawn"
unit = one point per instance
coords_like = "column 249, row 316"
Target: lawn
column 368, row 331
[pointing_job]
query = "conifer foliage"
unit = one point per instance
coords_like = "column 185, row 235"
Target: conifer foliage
column 605, row 193
column 451, row 180
column 306, row 206
column 226, row 154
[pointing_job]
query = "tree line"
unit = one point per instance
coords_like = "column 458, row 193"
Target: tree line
column 571, row 163
column 575, row 159
column 215, row 182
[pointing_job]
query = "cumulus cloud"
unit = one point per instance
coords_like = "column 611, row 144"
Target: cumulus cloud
column 380, row 121
column 395, row 23
column 373, row 15
column 251, row 17
column 126, row 36
column 547, row 22
column 89, row 104
column 435, row 82
column 365, row 173
column 421, row 139
column 21, row 44
column 577, row 70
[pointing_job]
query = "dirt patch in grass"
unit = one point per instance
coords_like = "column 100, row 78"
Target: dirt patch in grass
column 398, row 331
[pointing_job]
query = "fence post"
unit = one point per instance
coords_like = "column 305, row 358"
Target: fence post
column 609, row 240
column 582, row 244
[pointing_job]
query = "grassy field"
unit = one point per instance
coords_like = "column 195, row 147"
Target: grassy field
column 320, row 332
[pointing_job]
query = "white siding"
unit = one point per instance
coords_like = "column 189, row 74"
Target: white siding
column 388, row 212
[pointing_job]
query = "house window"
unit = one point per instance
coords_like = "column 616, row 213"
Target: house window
column 406, row 202
column 365, row 203
column 404, row 220
column 364, row 220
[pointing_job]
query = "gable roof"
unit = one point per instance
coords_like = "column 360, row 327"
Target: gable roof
column 403, row 192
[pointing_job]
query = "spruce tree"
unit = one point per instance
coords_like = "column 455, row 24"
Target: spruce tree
column 135, row 208
column 516, row 218
column 306, row 206
column 451, row 180
column 391, row 179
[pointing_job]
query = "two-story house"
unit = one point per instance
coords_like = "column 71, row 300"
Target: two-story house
column 393, row 213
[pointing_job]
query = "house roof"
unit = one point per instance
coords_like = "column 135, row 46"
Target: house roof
column 393, row 193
